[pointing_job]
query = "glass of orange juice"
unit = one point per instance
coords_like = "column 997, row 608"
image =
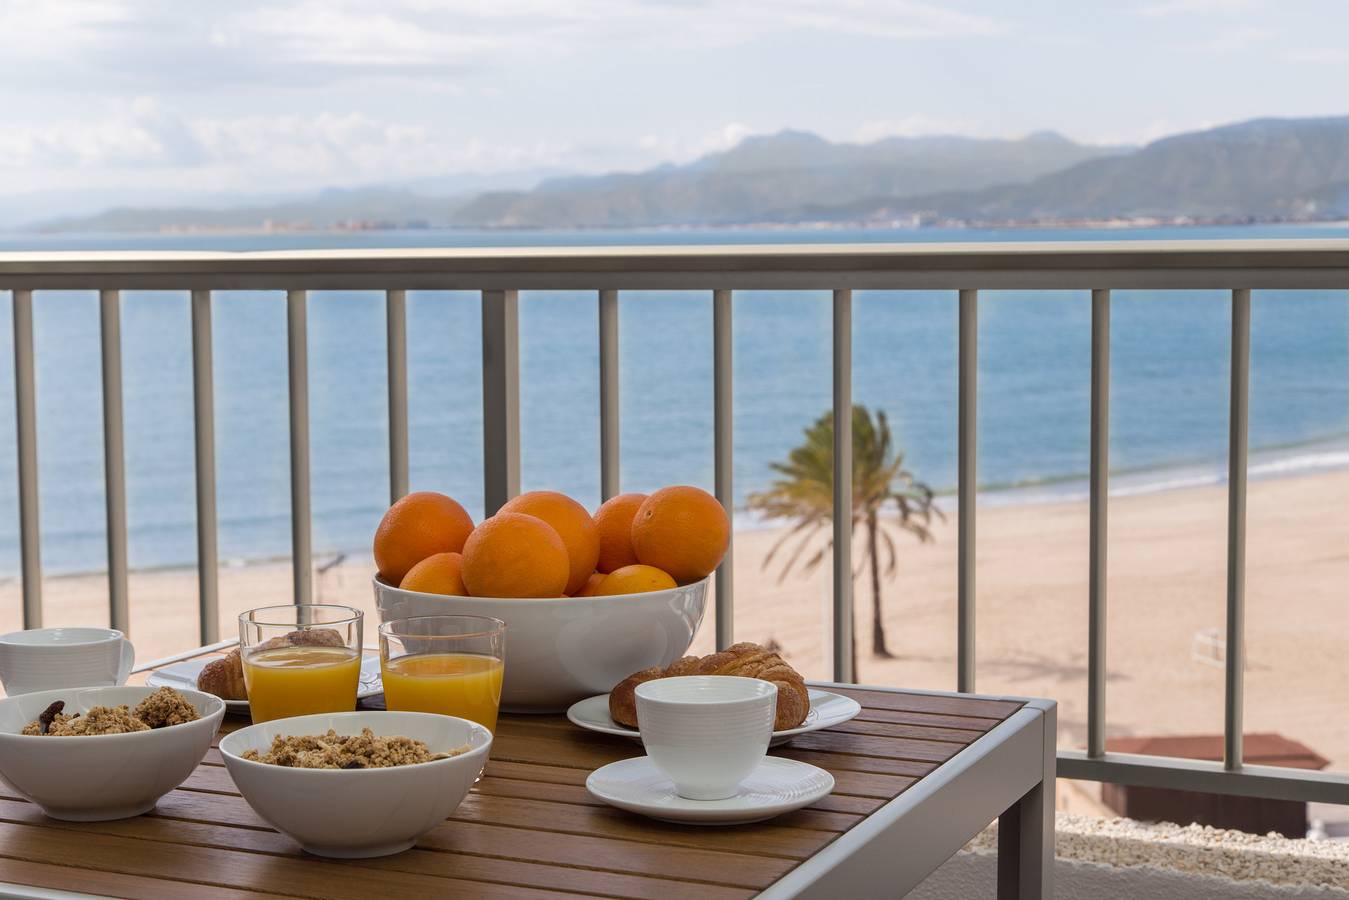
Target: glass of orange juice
column 300, row 659
column 450, row 665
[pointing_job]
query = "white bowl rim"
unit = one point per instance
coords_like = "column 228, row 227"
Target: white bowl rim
column 556, row 601
column 480, row 750
column 215, row 705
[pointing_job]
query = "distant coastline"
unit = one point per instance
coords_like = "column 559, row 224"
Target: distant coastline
column 914, row 224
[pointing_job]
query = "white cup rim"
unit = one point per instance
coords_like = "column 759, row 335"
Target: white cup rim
column 104, row 636
column 730, row 691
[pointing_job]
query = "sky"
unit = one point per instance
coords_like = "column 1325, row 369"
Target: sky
column 159, row 100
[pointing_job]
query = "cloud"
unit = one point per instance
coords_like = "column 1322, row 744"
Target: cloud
column 303, row 92
column 1329, row 56
column 145, row 142
column 311, row 42
column 912, row 126
column 678, row 149
column 1148, row 132
column 1188, row 7
column 73, row 21
column 892, row 20
column 1232, row 40
column 142, row 134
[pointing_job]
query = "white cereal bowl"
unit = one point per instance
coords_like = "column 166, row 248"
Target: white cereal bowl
column 562, row 650
column 358, row 813
column 93, row 778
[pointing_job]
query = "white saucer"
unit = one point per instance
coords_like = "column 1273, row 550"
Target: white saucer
column 826, row 709
column 777, row 786
column 184, row 675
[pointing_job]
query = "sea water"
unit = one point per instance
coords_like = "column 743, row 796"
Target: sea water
column 1169, row 390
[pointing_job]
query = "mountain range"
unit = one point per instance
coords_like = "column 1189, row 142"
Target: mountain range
column 1264, row 169
column 778, row 178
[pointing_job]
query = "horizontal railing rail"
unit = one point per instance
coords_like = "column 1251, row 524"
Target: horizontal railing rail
column 499, row 274
column 1120, row 265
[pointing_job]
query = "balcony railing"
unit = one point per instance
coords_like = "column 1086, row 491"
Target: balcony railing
column 499, row 274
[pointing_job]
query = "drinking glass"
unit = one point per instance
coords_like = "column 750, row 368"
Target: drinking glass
column 451, row 665
column 300, row 659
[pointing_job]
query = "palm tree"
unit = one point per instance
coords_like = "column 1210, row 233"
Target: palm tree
column 805, row 492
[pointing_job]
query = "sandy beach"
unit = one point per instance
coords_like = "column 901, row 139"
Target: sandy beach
column 1166, row 592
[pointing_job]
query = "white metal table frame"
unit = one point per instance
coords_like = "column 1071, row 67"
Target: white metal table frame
column 1006, row 774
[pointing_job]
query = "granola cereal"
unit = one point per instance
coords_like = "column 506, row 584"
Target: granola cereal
column 161, row 709
column 165, row 707
column 358, row 751
column 98, row 720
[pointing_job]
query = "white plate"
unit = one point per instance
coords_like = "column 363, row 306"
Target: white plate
column 184, row 674
column 826, row 709
column 777, row 786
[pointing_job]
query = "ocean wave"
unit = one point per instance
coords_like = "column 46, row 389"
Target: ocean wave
column 1264, row 463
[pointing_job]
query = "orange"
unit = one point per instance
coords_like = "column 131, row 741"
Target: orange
column 415, row 527
column 682, row 530
column 592, row 586
column 613, row 521
column 439, row 573
column 572, row 523
column 515, row 555
column 636, row 579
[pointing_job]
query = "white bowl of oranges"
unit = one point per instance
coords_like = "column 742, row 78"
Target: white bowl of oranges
column 587, row 599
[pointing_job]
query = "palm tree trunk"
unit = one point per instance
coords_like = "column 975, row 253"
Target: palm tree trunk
column 878, row 647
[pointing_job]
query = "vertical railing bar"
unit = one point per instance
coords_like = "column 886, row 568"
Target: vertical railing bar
column 297, row 331
column 724, row 439
column 844, row 669
column 203, row 424
column 1098, row 513
column 114, row 458
column 967, row 487
column 609, row 422
column 1238, row 422
column 395, row 311
column 500, row 398
column 25, row 413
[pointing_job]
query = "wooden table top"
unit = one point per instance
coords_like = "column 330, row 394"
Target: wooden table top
column 528, row 829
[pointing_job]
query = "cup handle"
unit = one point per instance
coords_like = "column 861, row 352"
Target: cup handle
column 128, row 660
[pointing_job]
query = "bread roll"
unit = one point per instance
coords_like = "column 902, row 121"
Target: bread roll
column 224, row 677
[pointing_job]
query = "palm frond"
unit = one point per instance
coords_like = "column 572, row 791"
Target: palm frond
column 884, row 493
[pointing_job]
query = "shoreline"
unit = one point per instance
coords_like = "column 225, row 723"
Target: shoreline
column 1292, row 460
column 901, row 223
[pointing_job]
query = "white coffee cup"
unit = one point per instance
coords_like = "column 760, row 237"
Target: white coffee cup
column 707, row 733
column 45, row 658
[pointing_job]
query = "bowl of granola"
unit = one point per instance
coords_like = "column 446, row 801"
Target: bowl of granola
column 98, row 753
column 354, row 785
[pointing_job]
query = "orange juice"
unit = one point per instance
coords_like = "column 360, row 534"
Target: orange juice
column 452, row 684
column 298, row 681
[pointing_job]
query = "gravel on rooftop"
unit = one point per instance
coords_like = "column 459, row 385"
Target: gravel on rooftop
column 1198, row 849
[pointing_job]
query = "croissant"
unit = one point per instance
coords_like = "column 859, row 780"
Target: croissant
column 224, row 677
column 746, row 660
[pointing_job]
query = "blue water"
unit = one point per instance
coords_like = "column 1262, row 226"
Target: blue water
column 1168, row 402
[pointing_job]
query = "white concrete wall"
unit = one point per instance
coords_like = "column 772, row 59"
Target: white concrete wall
column 972, row 875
